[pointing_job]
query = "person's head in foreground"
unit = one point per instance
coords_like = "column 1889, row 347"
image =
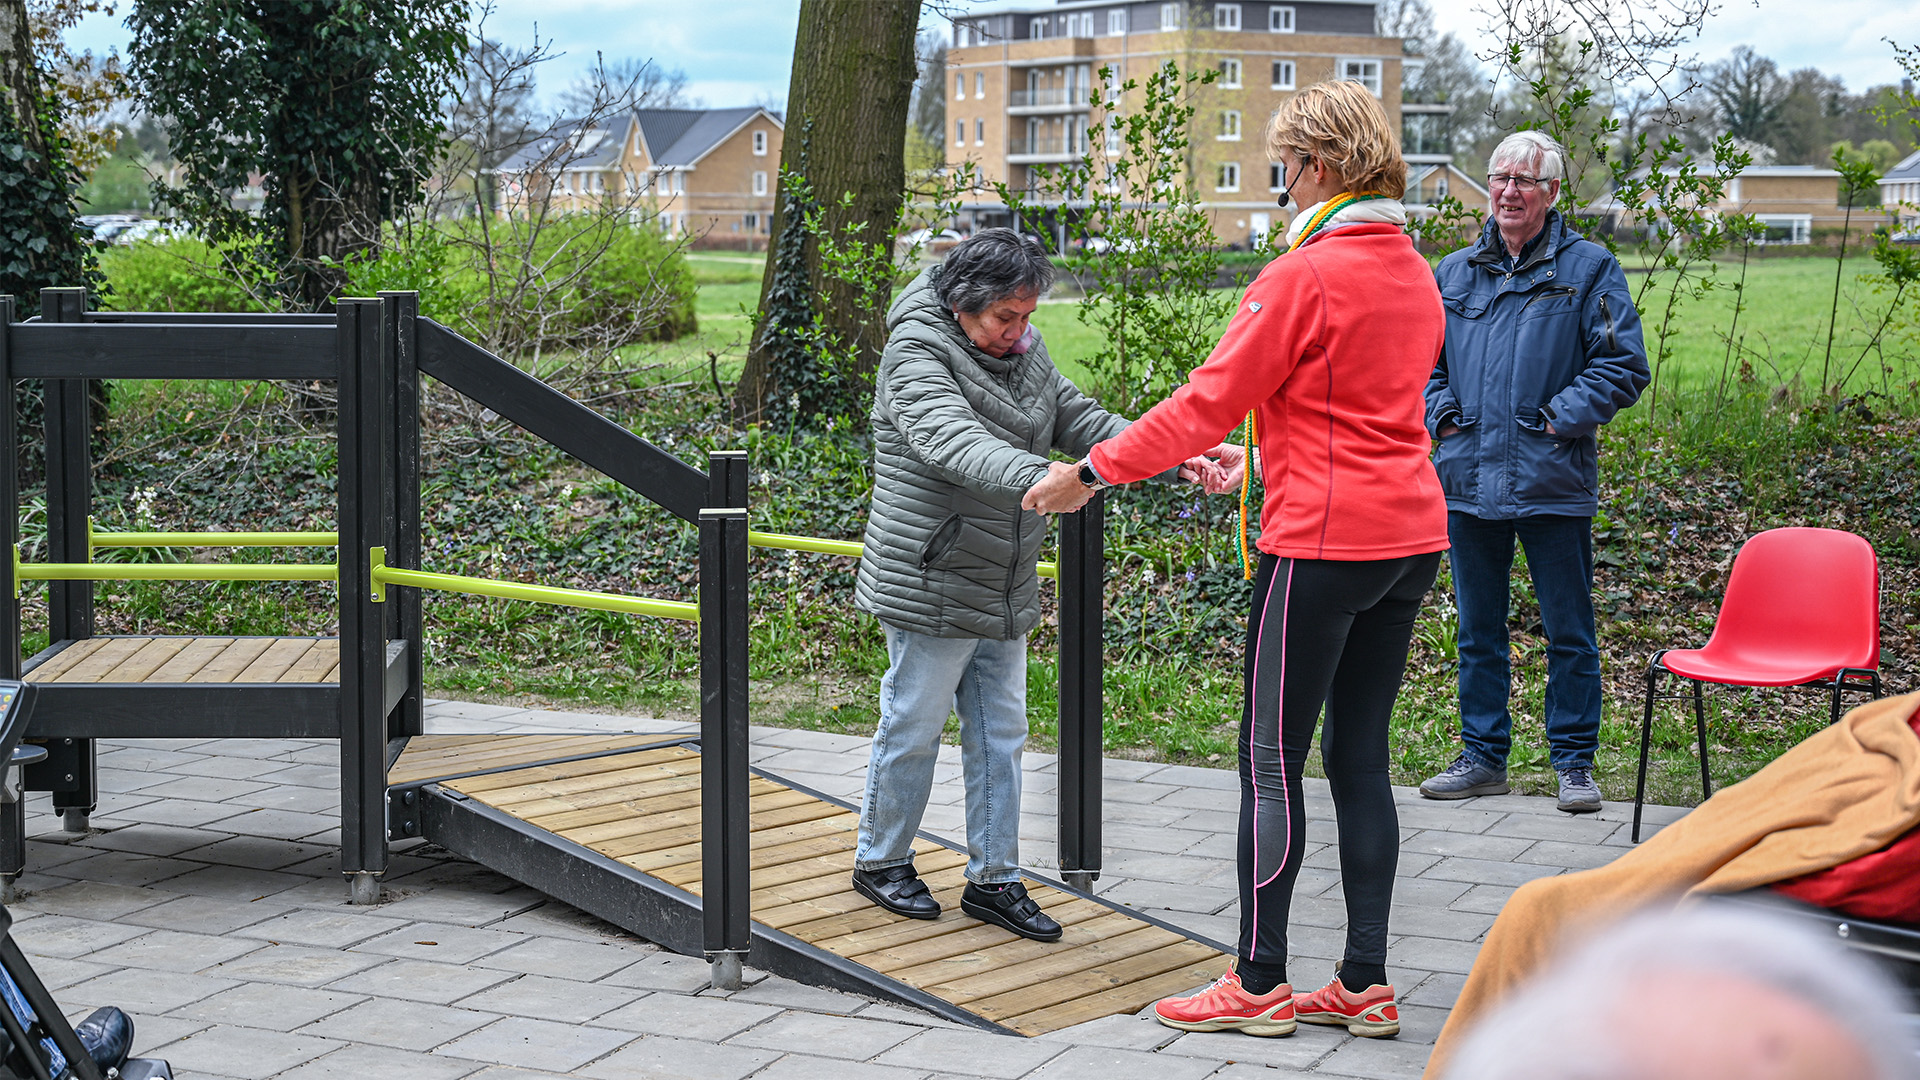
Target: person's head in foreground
column 1709, row 993
column 991, row 282
column 1333, row 138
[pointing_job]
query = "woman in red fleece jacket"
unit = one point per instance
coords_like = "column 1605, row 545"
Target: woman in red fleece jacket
column 1330, row 351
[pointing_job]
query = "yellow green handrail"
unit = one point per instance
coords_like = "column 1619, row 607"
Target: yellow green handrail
column 210, row 539
column 175, row 571
column 383, row 575
column 849, row 548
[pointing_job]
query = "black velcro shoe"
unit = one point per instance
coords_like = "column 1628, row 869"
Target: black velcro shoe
column 1011, row 907
column 899, row 890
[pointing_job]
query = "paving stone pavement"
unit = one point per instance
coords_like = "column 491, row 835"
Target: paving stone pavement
column 207, row 903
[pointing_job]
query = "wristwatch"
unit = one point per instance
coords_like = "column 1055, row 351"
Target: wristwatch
column 1089, row 478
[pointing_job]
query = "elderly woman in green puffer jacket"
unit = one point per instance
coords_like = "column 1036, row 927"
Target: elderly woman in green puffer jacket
column 967, row 407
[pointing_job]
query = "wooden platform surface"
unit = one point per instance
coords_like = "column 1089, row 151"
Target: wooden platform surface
column 643, row 809
column 193, row 660
column 429, row 757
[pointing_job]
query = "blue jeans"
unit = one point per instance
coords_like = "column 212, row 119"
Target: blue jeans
column 1560, row 561
column 985, row 683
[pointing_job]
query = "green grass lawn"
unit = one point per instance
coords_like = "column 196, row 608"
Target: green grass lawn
column 1781, row 332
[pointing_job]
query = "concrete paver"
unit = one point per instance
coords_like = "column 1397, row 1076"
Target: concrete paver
column 207, row 902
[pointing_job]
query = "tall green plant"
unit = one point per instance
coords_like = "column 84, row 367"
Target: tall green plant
column 332, row 106
column 1147, row 254
column 1857, row 176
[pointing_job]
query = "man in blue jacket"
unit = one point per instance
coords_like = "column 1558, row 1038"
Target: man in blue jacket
column 1543, row 346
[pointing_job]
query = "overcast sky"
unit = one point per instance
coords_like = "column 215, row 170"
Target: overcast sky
column 740, row 52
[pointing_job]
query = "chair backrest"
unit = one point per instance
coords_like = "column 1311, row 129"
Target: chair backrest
column 1814, row 593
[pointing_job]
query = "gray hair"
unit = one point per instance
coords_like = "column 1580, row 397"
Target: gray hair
column 1586, row 1003
column 1536, row 150
column 990, row 266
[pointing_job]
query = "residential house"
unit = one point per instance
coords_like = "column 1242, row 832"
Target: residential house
column 1900, row 194
column 1022, row 87
column 706, row 174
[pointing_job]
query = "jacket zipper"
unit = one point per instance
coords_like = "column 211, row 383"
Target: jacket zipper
column 1564, row 290
column 1613, row 342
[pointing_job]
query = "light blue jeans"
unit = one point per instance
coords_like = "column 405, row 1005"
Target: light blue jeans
column 985, row 683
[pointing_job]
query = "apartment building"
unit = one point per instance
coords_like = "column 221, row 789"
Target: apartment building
column 1900, row 194
column 1022, row 83
column 709, row 174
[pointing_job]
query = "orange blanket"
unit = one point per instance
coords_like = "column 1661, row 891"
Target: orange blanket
column 1847, row 791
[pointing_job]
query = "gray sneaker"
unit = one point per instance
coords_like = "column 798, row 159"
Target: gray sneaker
column 1578, row 793
column 1465, row 778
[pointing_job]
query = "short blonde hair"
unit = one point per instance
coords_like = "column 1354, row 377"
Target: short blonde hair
column 1343, row 126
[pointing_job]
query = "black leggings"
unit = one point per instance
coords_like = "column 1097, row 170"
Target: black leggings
column 1332, row 633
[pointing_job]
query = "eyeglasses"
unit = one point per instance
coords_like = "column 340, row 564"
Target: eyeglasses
column 1520, row 183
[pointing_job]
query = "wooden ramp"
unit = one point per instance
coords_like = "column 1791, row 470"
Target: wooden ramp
column 612, row 825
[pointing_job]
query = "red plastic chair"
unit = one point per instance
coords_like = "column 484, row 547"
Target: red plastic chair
column 1802, row 608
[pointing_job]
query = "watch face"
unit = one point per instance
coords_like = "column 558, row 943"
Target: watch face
column 1087, row 476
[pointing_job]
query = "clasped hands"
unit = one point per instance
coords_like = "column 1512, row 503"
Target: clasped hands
column 1219, row 470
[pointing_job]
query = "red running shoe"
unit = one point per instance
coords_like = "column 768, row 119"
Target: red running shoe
column 1226, row 1006
column 1370, row 1015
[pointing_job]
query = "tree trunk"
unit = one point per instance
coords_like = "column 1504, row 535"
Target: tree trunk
column 852, row 87
column 19, row 79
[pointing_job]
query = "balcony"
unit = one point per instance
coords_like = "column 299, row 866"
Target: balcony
column 1045, row 149
column 1048, row 101
column 1424, row 143
column 1419, row 95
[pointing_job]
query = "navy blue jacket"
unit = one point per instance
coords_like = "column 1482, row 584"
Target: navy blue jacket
column 1554, row 340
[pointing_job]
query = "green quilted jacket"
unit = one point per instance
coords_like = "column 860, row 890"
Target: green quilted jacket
column 959, row 437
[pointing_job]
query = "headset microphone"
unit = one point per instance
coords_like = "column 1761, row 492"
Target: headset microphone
column 1286, row 193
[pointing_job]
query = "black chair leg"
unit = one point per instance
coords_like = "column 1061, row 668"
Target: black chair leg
column 1646, row 744
column 1700, row 725
column 1833, row 716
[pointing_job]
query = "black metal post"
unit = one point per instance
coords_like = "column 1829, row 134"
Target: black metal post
column 1082, row 573
column 9, row 495
column 725, row 851
column 400, row 334
column 68, row 416
column 364, row 409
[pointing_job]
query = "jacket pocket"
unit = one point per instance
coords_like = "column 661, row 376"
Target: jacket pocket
column 1547, row 468
column 941, row 542
column 1457, row 461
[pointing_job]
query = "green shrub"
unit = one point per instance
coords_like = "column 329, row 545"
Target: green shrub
column 567, row 281
column 182, row 273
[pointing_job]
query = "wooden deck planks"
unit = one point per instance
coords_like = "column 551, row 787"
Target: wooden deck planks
column 643, row 809
column 176, row 659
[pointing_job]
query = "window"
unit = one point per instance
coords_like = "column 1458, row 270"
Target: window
column 1170, row 16
column 1283, row 74
column 960, row 87
column 1038, row 28
column 1116, row 128
column 1364, row 72
column 751, row 221
column 1276, row 178
column 1080, row 25
column 599, row 183
column 979, row 84
column 1786, row 228
column 1229, row 125
column 1229, row 177
column 760, row 182
column 959, row 133
column 1226, row 16
column 979, row 133
column 1230, row 74
column 1279, row 20
column 680, row 184
column 965, row 34
column 1117, row 21
column 759, row 144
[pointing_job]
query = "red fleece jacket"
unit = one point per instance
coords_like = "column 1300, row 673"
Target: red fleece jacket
column 1331, row 349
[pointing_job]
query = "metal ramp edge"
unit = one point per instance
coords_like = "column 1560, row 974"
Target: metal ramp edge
column 665, row 913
